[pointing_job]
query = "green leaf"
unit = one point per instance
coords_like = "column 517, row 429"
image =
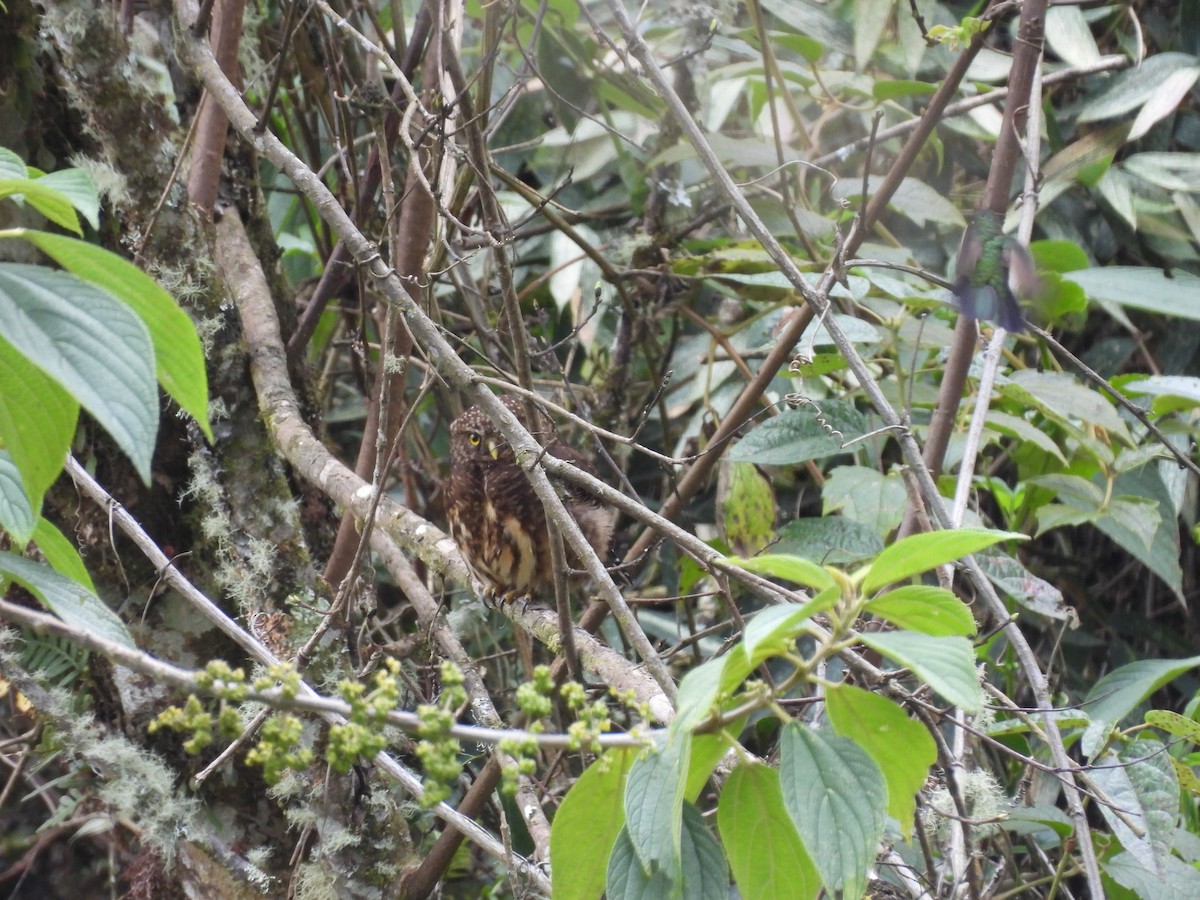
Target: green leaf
column 178, row 354
column 1179, row 879
column 1188, row 780
column 653, row 800
column 772, row 628
column 1170, row 171
column 1141, row 782
column 17, row 515
column 61, row 554
column 1058, row 256
column 703, row 684
column 865, row 496
column 765, row 852
column 1082, row 492
column 803, row 46
column 1184, row 387
column 891, row 90
column 871, row 17
column 921, row 552
column 1068, row 34
column 1116, row 695
column 67, row 599
column 1164, row 101
column 1173, row 723
column 1024, row 431
column 92, row 344
column 795, row 436
column 946, row 664
column 1060, row 515
column 707, row 752
column 79, row 190
column 1025, row 820
column 1145, row 288
column 1132, row 519
column 830, row 540
column 917, row 201
column 704, row 875
column 701, row 873
column 1031, row 592
column 819, row 364
column 49, row 202
column 837, row 799
column 746, row 505
column 900, row 746
column 626, row 879
column 1134, row 87
column 11, row 165
column 814, row 21
column 37, row 422
column 925, row 609
column 1063, row 397
column 790, row 568
column 586, row 826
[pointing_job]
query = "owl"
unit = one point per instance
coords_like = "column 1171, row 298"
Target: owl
column 495, row 517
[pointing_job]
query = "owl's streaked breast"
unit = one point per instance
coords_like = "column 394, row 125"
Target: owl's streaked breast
column 496, row 518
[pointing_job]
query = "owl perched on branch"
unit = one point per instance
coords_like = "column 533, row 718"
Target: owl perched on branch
column 496, row 518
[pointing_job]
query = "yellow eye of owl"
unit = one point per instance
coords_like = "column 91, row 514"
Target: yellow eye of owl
column 473, row 439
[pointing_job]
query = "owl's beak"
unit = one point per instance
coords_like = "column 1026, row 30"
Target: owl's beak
column 493, row 447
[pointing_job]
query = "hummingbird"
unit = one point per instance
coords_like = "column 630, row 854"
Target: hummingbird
column 993, row 272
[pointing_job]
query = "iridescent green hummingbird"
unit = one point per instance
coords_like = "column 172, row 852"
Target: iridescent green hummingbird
column 993, row 272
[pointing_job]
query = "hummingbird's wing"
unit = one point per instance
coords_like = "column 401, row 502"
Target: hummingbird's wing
column 969, row 250
column 1022, row 276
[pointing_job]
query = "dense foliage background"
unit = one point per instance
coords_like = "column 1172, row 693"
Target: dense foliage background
column 718, row 239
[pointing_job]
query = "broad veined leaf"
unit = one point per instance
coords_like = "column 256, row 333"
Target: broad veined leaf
column 703, row 872
column 795, row 436
column 1178, row 880
column 1065, row 398
column 587, row 824
column 1134, row 87
column 765, row 852
column 946, row 664
column 79, row 190
column 49, row 202
column 92, row 344
column 900, row 746
column 924, row 608
column 626, row 878
column 37, row 422
column 178, row 355
column 1119, row 692
column 67, row 599
column 837, row 799
column 17, row 515
column 1173, row 723
column 11, row 165
column 789, row 568
column 921, row 552
column 866, row 496
column 653, row 800
column 746, row 502
column 61, row 553
column 1141, row 782
column 829, row 540
column 772, row 627
column 1142, row 287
